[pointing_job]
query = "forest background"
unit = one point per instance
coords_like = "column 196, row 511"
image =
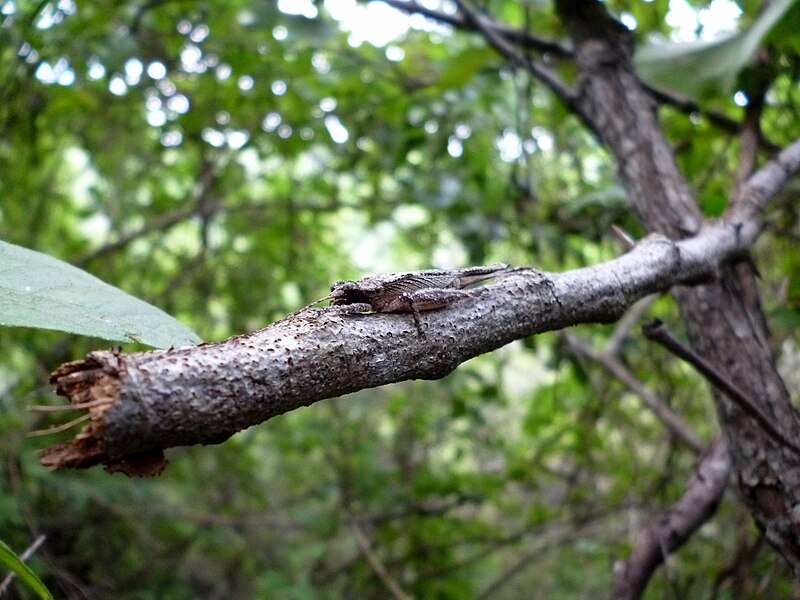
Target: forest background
column 227, row 162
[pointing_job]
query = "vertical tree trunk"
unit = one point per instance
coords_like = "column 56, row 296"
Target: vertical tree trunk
column 724, row 318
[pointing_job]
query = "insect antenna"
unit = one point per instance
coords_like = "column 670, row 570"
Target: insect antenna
column 328, row 297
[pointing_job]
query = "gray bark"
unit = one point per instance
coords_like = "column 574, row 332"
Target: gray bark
column 724, row 317
column 144, row 402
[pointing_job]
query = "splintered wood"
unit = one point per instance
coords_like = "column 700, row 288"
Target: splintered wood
column 92, row 385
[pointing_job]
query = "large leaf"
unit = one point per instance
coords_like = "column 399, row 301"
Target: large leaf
column 37, row 290
column 12, row 561
column 462, row 67
column 703, row 69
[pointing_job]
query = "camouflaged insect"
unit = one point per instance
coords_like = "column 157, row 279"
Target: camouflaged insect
column 410, row 292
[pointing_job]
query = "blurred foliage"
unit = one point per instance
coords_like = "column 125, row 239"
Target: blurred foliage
column 705, row 69
column 37, row 290
column 227, row 162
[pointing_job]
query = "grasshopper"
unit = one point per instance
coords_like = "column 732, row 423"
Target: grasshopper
column 410, row 292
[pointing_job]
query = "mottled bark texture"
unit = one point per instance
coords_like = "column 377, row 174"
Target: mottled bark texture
column 142, row 403
column 724, row 317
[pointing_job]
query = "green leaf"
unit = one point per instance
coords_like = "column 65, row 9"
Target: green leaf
column 37, row 290
column 13, row 562
column 611, row 196
column 703, row 69
column 460, row 68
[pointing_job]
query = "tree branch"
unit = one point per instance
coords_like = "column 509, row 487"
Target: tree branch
column 527, row 40
column 665, row 534
column 144, row 402
column 158, row 224
column 376, row 565
column 658, row 333
column 717, row 119
column 518, row 36
column 752, row 197
column 613, row 365
column 548, row 77
column 201, row 205
column 623, row 329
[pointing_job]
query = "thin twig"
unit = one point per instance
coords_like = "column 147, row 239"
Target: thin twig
column 525, row 39
column 47, row 408
column 752, row 197
column 657, row 332
column 625, row 238
column 59, row 428
column 507, row 49
column 672, row 421
column 518, row 36
column 377, row 566
column 6, row 583
column 201, row 205
column 628, row 321
column 717, row 119
column 592, row 521
column 412, row 7
column 158, row 224
column 551, row 540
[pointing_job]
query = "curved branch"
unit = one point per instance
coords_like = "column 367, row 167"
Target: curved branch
column 665, row 534
column 144, row 402
column 506, row 40
column 613, row 365
column 508, row 37
column 752, row 197
column 201, row 205
column 717, row 119
column 505, row 47
column 160, row 223
column 658, row 333
column 458, row 21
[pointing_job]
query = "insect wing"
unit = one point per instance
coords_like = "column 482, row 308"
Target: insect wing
column 476, row 274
